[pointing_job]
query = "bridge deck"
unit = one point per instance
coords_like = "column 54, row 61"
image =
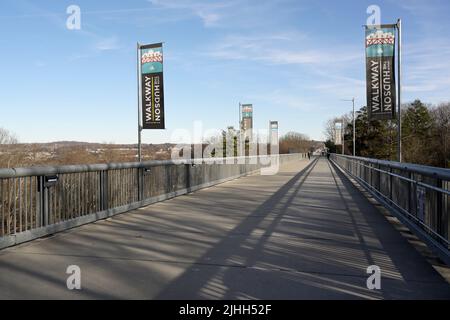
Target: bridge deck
column 306, row 233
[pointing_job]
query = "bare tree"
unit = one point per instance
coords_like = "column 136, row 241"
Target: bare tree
column 295, row 142
column 8, row 157
column 441, row 132
column 330, row 129
column 7, row 137
column 330, row 125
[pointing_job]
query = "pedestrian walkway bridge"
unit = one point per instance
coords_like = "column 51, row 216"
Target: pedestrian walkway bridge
column 307, row 232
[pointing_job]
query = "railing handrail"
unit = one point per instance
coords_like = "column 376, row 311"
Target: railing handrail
column 52, row 170
column 433, row 172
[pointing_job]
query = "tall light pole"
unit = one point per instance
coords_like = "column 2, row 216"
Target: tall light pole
column 354, row 128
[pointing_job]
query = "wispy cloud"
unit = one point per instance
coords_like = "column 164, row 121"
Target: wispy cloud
column 209, row 19
column 426, row 68
column 280, row 98
column 100, row 45
column 39, row 64
column 29, row 10
column 209, row 12
column 228, row 13
column 278, row 49
column 338, row 85
column 313, row 73
column 420, row 7
column 107, row 44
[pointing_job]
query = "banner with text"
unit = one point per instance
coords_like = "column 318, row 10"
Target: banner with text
column 380, row 72
column 152, row 86
column 247, row 117
column 247, row 111
column 338, row 133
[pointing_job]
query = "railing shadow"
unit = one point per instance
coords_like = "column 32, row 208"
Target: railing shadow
column 412, row 270
column 293, row 245
column 251, row 222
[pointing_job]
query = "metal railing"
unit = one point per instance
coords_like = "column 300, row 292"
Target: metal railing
column 418, row 195
column 38, row 201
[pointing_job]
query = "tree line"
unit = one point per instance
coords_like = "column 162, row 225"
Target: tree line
column 425, row 135
column 15, row 154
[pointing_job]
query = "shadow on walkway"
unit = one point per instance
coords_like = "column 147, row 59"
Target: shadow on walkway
column 319, row 253
column 308, row 235
column 410, row 265
column 280, row 201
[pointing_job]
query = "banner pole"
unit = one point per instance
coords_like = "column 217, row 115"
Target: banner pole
column 354, row 128
column 240, row 131
column 343, row 135
column 399, row 91
column 239, row 115
column 139, row 101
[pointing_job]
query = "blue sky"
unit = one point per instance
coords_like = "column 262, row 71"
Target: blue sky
column 294, row 60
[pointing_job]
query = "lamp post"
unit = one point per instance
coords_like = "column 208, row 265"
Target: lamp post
column 354, row 129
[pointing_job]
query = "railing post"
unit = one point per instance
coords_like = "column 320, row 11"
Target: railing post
column 140, row 177
column 188, row 176
column 379, row 179
column 358, row 169
column 100, row 191
column 441, row 221
column 390, row 184
column 100, row 188
column 104, row 190
column 409, row 192
column 46, row 208
column 42, row 204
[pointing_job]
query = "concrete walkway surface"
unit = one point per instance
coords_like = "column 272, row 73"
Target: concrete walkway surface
column 305, row 233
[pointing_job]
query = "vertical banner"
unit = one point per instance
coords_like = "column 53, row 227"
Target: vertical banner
column 247, row 129
column 338, row 133
column 380, row 72
column 247, row 117
column 273, row 132
column 152, row 86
